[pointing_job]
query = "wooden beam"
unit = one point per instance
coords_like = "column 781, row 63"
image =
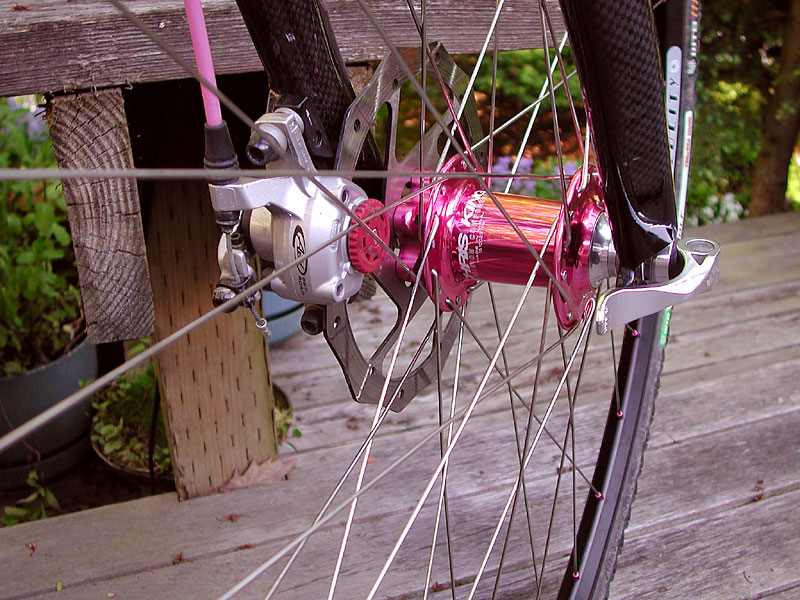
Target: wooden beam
column 53, row 45
column 89, row 131
column 215, row 384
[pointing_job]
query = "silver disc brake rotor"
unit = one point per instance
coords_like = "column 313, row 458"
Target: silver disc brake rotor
column 366, row 376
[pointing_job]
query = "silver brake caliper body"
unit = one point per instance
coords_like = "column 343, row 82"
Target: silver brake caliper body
column 302, row 218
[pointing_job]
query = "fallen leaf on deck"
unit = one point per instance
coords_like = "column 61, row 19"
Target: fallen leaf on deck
column 266, row 472
column 233, row 517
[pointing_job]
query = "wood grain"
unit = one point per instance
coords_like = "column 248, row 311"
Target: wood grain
column 53, row 46
column 215, row 381
column 723, row 423
column 89, row 131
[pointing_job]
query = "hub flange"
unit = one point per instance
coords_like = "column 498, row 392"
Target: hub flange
column 473, row 240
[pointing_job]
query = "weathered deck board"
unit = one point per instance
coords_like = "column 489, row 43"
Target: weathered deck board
column 52, row 45
column 728, row 416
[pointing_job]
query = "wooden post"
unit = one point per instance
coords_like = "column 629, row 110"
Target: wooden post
column 89, row 131
column 215, row 381
column 216, row 390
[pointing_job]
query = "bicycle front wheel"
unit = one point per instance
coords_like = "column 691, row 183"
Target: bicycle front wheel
column 563, row 499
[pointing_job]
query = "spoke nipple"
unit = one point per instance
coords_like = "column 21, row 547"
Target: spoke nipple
column 576, row 575
column 598, row 495
column 620, row 414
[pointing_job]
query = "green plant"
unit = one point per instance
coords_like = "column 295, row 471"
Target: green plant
column 40, row 311
column 31, row 507
column 520, row 74
column 284, row 419
column 283, row 422
column 121, row 424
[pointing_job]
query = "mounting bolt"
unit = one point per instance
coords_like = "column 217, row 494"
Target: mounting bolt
column 259, row 152
column 313, row 319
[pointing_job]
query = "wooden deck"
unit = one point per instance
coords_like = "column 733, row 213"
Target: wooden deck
column 716, row 515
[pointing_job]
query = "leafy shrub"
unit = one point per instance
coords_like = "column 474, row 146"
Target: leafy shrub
column 121, row 424
column 40, row 311
column 32, row 507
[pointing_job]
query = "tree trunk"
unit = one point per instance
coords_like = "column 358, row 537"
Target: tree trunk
column 780, row 126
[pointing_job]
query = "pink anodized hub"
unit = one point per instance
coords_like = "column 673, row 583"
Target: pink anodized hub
column 473, row 241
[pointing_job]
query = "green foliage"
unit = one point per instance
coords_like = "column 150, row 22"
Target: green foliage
column 738, row 65
column 40, row 310
column 121, row 424
column 520, row 74
column 793, row 185
column 726, row 145
column 33, row 506
column 283, row 419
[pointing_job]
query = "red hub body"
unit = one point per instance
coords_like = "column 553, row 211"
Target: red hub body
column 473, row 240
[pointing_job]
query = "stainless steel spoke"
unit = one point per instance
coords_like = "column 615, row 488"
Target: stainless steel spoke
column 474, row 74
column 520, row 452
column 516, row 118
column 570, row 433
column 51, row 173
column 560, row 473
column 442, row 502
column 493, row 101
column 585, row 165
column 470, row 168
column 85, row 392
column 548, row 299
column 381, row 400
column 240, row 114
column 529, row 129
column 423, row 51
column 476, row 338
column 458, row 416
column 563, row 70
column 456, row 436
column 556, row 134
column 354, row 461
column 529, row 454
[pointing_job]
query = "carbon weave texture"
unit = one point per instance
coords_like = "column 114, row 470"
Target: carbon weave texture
column 616, row 52
column 628, row 39
column 295, row 43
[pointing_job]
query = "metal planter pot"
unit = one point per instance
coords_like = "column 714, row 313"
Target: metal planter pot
column 63, row 442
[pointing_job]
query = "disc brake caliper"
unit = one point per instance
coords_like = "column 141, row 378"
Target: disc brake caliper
column 296, row 225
